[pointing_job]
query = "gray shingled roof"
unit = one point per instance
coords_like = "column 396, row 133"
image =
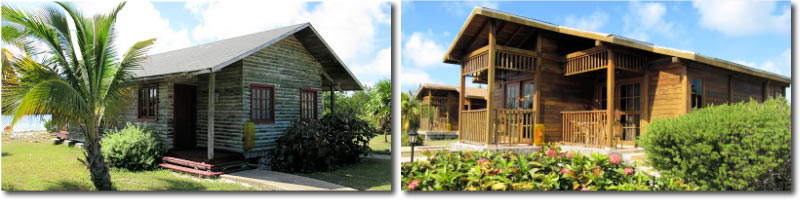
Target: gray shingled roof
column 216, row 55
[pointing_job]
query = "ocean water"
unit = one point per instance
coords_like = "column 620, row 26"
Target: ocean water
column 27, row 123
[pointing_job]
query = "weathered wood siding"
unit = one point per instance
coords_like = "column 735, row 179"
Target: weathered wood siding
column 289, row 67
column 227, row 109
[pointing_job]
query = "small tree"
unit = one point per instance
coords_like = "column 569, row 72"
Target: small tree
column 380, row 106
column 410, row 109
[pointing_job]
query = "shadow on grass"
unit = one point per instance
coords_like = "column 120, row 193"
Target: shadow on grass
column 6, row 154
column 64, row 185
column 179, row 185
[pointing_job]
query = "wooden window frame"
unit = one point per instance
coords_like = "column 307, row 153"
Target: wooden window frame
column 253, row 87
column 148, row 117
column 702, row 103
column 316, row 103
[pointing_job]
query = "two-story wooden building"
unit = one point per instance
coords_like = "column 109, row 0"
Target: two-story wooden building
column 587, row 88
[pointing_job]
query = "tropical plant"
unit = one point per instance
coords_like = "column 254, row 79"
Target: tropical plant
column 545, row 170
column 349, row 103
column 82, row 78
column 410, row 109
column 380, row 106
column 742, row 146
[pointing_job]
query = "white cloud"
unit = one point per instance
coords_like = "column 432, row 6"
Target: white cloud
column 645, row 18
column 462, row 8
column 592, row 22
column 349, row 27
column 412, row 78
column 139, row 20
column 423, row 51
column 381, row 66
column 781, row 64
column 738, row 18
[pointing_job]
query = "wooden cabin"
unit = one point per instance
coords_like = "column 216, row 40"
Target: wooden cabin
column 439, row 105
column 587, row 88
column 198, row 98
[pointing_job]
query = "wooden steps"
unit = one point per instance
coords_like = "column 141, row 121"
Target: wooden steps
column 202, row 168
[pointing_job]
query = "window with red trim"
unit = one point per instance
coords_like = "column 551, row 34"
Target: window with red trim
column 308, row 103
column 147, row 110
column 262, row 103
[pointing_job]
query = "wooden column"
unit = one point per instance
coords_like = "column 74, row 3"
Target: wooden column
column 333, row 98
column 730, row 89
column 645, row 118
column 211, row 98
column 537, row 83
column 461, row 95
column 765, row 96
column 610, row 100
column 490, row 109
column 687, row 90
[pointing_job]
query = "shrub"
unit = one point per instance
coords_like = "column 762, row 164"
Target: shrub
column 132, row 148
column 50, row 126
column 549, row 169
column 405, row 140
column 743, row 146
column 319, row 145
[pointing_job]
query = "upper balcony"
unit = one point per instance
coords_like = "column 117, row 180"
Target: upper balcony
column 600, row 57
column 506, row 58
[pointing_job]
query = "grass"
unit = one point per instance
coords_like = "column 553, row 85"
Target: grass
column 43, row 166
column 369, row 174
column 378, row 146
column 444, row 142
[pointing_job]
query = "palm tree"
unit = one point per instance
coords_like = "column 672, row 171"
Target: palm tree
column 380, row 105
column 410, row 110
column 81, row 79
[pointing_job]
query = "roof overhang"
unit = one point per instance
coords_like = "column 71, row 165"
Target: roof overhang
column 475, row 21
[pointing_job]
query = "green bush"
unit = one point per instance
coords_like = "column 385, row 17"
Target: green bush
column 405, row 140
column 50, row 126
column 743, row 146
column 132, row 148
column 546, row 170
column 319, row 145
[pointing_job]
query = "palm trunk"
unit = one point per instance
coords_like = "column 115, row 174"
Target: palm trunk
column 95, row 161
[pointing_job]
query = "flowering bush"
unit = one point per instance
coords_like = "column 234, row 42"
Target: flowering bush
column 545, row 170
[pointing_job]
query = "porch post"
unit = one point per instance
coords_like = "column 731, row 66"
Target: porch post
column 461, row 107
column 490, row 83
column 610, row 100
column 333, row 97
column 210, row 146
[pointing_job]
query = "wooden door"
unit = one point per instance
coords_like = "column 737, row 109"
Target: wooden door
column 185, row 116
column 628, row 107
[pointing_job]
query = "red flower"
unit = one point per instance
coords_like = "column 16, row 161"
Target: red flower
column 413, row 184
column 564, row 170
column 482, row 160
column 628, row 171
column 569, row 155
column 551, row 153
column 614, row 158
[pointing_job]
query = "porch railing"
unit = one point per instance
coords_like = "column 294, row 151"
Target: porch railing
column 506, row 58
column 514, row 126
column 585, row 128
column 473, row 126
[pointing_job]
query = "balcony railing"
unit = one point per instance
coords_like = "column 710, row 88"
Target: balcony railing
column 597, row 58
column 511, row 126
column 506, row 58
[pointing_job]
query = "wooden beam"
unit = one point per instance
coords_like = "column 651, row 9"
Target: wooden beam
column 610, row 99
column 473, row 41
column 765, row 96
column 461, row 100
column 537, row 86
column 490, row 108
column 687, row 90
column 211, row 98
column 645, row 119
column 514, row 35
column 730, row 89
column 526, row 39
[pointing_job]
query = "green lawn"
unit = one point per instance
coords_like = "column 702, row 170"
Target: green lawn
column 369, row 174
column 44, row 166
column 379, row 146
column 444, row 142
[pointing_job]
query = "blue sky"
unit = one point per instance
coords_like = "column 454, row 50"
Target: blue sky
column 361, row 37
column 756, row 34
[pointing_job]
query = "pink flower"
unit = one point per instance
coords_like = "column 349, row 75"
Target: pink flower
column 482, row 160
column 551, row 153
column 561, row 154
column 413, row 184
column 614, row 158
column 564, row 170
column 628, row 171
column 569, row 155
column 583, row 188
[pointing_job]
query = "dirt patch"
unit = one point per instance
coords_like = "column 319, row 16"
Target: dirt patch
column 30, row 137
